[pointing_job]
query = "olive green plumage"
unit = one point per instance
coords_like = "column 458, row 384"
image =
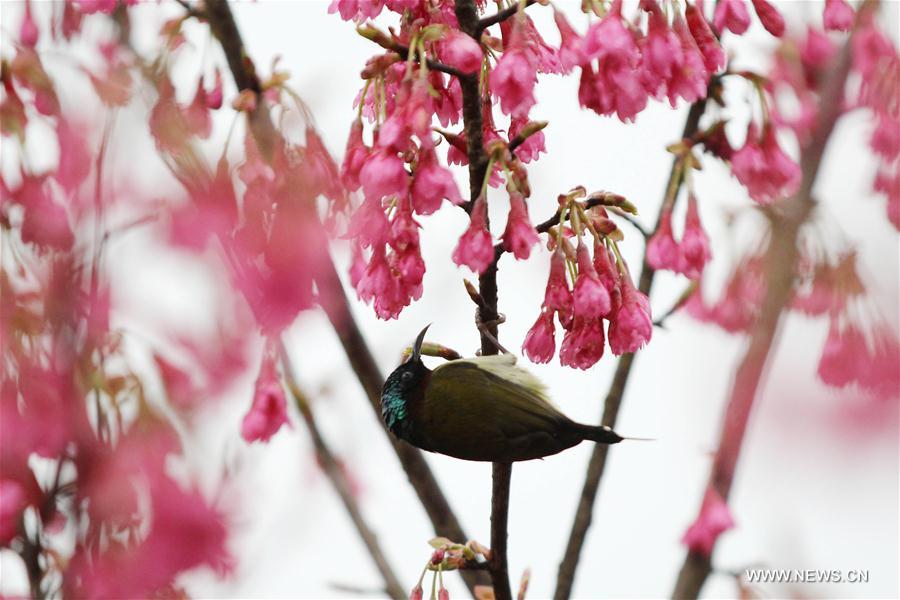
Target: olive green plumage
column 483, row 408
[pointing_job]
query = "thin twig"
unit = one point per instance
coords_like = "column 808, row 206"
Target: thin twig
column 434, row 65
column 781, row 261
column 333, row 469
column 335, row 302
column 597, row 464
column 498, row 17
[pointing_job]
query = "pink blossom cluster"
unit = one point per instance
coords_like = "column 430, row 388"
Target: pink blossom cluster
column 688, row 256
column 600, row 290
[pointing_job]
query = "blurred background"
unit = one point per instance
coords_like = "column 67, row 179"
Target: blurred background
column 817, row 485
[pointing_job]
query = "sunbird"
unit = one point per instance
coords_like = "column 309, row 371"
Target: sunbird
column 483, row 408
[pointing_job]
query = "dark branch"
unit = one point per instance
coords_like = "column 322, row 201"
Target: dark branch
column 434, row 65
column 336, row 474
column 498, row 17
column 337, row 306
column 597, row 464
column 781, row 261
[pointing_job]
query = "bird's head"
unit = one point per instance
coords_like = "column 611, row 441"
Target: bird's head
column 406, row 383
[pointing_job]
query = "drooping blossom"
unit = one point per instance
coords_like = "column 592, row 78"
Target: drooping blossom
column 591, row 298
column 713, row 55
column 432, row 184
column 383, row 175
column 356, row 9
column 268, row 411
column 662, row 249
column 513, row 78
column 355, row 155
column 540, row 341
column 714, row 520
column 693, row 250
column 838, row 15
column 763, row 167
column 732, row 15
column 461, row 51
column 570, row 48
column 519, row 236
column 583, row 344
column 631, row 326
column 558, row 296
column 475, row 248
column 690, row 78
column 769, row 17
column 534, row 144
column 661, row 53
column 843, row 356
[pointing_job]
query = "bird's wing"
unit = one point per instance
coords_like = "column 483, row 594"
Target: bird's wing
column 489, row 407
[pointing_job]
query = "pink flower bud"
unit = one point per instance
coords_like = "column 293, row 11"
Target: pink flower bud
column 475, row 249
column 694, row 250
column 583, row 344
column 28, row 31
column 558, row 297
column 631, row 326
column 432, row 184
column 416, row 593
column 268, row 412
column 662, row 249
column 461, row 51
column 713, row 520
column 713, row 55
column 769, row 17
column 838, row 15
column 540, row 342
column 591, row 298
column 383, row 175
column 443, row 594
column 763, row 167
column 519, row 236
column 732, row 15
column 844, row 355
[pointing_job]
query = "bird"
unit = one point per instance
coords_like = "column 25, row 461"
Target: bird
column 483, row 408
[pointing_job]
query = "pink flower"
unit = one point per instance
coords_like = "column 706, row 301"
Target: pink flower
column 268, row 412
column 519, row 236
column 214, row 96
column 733, row 15
column 606, row 269
column 432, row 183
column 197, row 113
column 12, row 502
column 533, row 145
column 570, row 47
column 558, row 296
column 443, row 594
column 817, row 49
column 540, row 54
column 461, row 51
column 713, row 55
column 662, row 249
column 355, row 155
column 769, row 17
column 404, row 231
column 763, row 167
column 838, row 15
column 583, row 344
column 714, row 519
column 844, row 356
column 540, row 342
column 690, row 79
column 631, row 326
column 661, row 53
column 28, row 31
column 591, row 298
column 356, row 9
column 475, row 249
column 416, row 593
column 694, row 250
column 513, row 79
column 383, row 175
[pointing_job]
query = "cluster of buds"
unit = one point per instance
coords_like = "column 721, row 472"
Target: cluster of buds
column 584, row 290
column 448, row 556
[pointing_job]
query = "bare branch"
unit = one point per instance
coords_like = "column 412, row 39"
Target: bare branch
column 780, row 269
column 333, row 469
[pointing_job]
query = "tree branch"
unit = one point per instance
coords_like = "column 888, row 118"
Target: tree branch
column 473, row 104
column 597, row 464
column 334, row 470
column 498, row 17
column 780, row 267
column 336, row 305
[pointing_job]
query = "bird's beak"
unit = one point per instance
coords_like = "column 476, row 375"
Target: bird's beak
column 417, row 346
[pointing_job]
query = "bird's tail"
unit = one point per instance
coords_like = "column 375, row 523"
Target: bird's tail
column 604, row 435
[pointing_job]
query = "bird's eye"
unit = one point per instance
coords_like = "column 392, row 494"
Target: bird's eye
column 406, row 377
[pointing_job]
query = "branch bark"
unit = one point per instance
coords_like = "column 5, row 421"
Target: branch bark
column 780, row 267
column 597, row 464
column 222, row 23
column 333, row 469
column 473, row 104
